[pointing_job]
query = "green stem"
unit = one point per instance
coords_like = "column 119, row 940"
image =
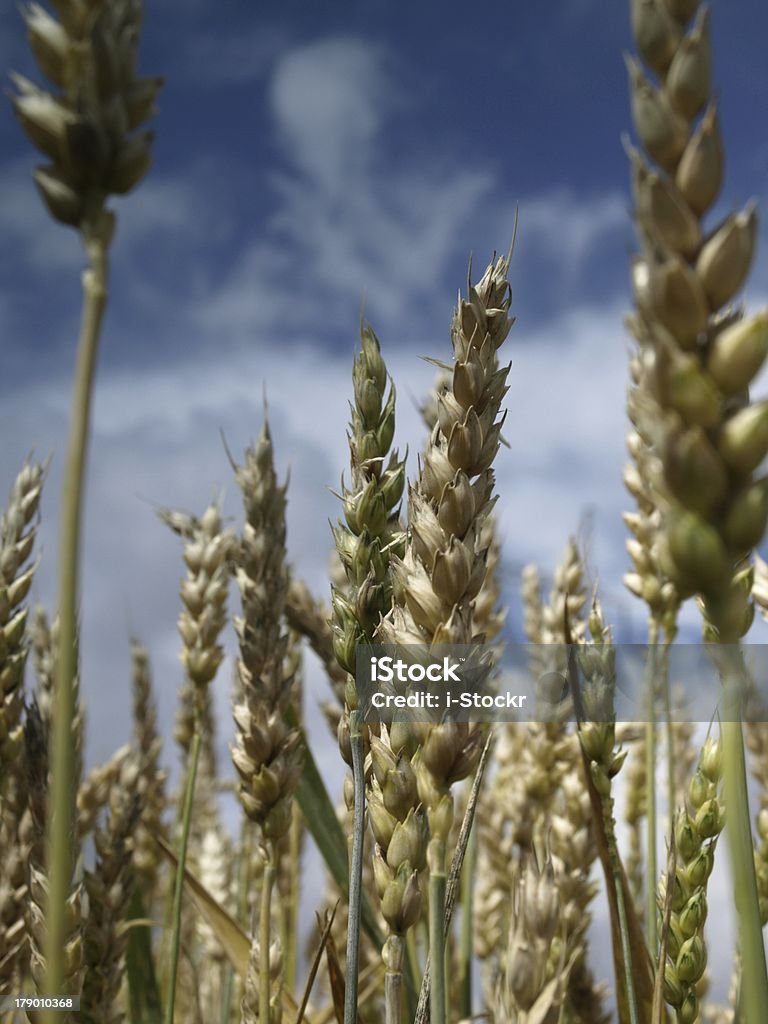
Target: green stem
column 618, row 884
column 466, row 947
column 664, row 677
column 754, row 990
column 412, row 950
column 355, row 870
column 290, row 915
column 244, row 859
column 393, row 979
column 178, row 892
column 437, row 880
column 63, row 785
column 265, row 924
column 650, row 787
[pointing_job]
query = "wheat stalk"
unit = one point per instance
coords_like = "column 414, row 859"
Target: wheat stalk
column 87, row 127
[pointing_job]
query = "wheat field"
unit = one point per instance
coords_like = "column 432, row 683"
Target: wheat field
column 282, row 852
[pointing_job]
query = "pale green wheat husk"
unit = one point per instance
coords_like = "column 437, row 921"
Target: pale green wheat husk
column 697, row 828
column 368, row 541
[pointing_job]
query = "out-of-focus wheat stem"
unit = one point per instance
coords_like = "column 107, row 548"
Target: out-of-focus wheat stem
column 63, row 785
column 437, row 879
column 597, row 735
column 650, row 785
column 265, row 923
column 355, row 867
column 467, row 928
column 754, row 990
column 178, row 892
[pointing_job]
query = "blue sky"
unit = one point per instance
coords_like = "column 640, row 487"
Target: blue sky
column 308, row 156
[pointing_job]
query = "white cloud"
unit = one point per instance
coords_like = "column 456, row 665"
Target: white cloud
column 329, row 99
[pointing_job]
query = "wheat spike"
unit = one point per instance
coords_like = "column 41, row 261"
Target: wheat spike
column 701, row 440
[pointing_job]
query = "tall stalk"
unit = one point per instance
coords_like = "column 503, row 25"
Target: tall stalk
column 63, row 784
column 467, row 923
column 437, row 880
column 89, row 59
column 265, row 921
column 178, row 891
column 650, row 788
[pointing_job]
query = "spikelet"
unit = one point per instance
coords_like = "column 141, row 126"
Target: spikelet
column 89, row 125
column 701, row 441
column 266, row 753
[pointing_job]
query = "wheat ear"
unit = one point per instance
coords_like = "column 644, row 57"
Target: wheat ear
column 17, row 537
column 367, row 542
column 151, row 779
column 266, row 752
column 690, row 402
column 696, row 830
column 207, row 549
column 445, row 564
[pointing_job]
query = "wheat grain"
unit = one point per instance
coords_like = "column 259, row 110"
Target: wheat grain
column 266, row 751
